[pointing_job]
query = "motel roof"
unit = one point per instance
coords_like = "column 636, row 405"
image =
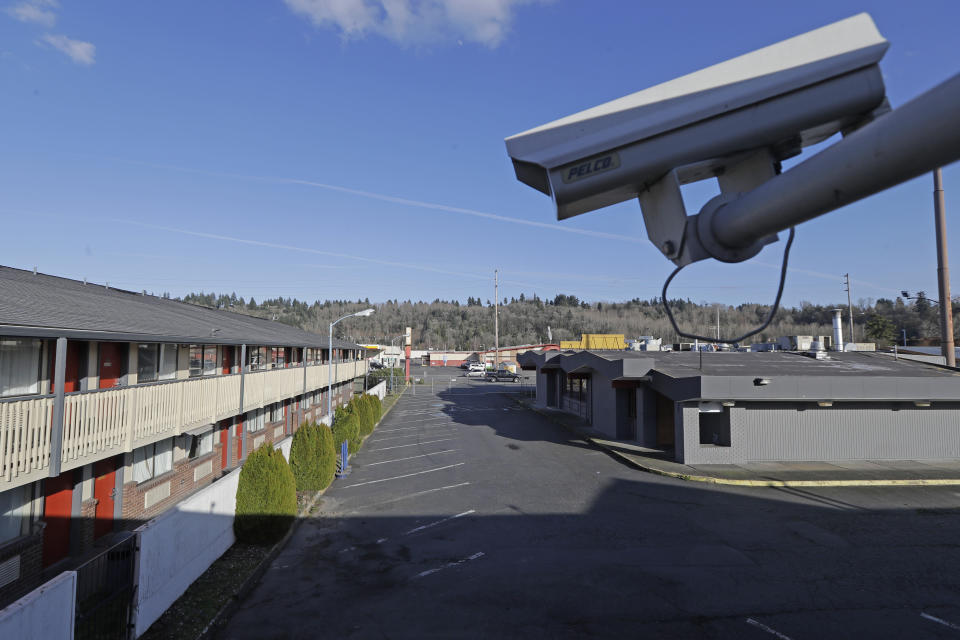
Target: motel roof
column 40, row 305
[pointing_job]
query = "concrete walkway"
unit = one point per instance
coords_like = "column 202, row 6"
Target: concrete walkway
column 837, row 473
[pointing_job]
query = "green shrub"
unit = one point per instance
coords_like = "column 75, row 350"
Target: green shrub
column 328, row 455
column 312, row 458
column 376, row 407
column 346, row 428
column 266, row 497
column 364, row 413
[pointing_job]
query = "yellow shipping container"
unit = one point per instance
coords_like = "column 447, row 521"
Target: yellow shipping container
column 596, row 341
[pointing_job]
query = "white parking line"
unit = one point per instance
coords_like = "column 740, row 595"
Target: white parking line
column 405, row 429
column 401, row 446
column 407, row 497
column 433, row 524
column 428, row 572
column 409, row 435
column 423, row 455
column 760, row 625
column 406, row 475
column 945, row 623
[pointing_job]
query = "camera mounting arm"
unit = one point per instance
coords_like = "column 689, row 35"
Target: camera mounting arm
column 917, row 138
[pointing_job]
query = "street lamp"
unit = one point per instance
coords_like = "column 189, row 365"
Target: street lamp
column 364, row 313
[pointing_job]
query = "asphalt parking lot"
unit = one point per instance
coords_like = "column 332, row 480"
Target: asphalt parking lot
column 467, row 516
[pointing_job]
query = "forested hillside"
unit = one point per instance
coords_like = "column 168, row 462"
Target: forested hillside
column 452, row 325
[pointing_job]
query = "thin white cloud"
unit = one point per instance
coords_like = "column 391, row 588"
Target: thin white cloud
column 485, row 22
column 79, row 51
column 393, row 199
column 38, row 11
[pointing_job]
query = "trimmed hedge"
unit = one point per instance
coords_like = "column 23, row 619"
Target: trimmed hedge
column 313, row 459
column 346, row 428
column 328, row 455
column 266, row 497
column 364, row 413
column 376, row 406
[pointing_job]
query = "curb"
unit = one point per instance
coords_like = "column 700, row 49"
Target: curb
column 906, row 482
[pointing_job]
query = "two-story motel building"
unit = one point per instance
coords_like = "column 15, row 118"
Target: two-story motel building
column 115, row 405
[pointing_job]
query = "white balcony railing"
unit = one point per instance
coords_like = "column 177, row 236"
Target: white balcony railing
column 98, row 424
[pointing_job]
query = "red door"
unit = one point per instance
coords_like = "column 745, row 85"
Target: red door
column 57, row 507
column 227, row 360
column 110, row 364
column 225, row 447
column 71, row 380
column 104, row 484
column 239, row 440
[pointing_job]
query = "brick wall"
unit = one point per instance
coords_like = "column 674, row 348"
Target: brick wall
column 88, row 517
column 29, row 548
column 144, row 501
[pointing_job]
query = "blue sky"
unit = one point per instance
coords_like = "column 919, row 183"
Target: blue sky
column 327, row 149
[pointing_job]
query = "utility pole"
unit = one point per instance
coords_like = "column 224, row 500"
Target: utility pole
column 943, row 273
column 849, row 308
column 496, row 319
column 718, row 323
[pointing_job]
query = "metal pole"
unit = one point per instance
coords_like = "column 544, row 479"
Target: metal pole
column 849, row 306
column 909, row 141
column 943, row 272
column 243, row 369
column 56, row 424
column 303, row 363
column 496, row 319
column 330, row 371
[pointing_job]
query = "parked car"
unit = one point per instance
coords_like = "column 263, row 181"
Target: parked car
column 502, row 374
column 477, row 366
column 475, row 373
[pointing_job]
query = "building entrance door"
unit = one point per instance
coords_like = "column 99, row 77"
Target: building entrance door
column 57, row 507
column 110, row 364
column 105, row 491
column 665, row 421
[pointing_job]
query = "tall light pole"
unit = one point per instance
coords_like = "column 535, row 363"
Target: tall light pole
column 943, row 273
column 846, row 277
column 364, row 313
column 496, row 319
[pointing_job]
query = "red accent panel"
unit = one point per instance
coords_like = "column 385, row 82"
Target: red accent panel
column 105, row 481
column 57, row 507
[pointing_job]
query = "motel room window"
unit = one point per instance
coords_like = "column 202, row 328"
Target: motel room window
column 278, row 358
column 156, row 362
column 19, row 367
column 199, row 445
column 276, row 412
column 255, row 420
column 203, row 360
column 256, row 358
column 307, row 400
column 15, row 512
column 152, row 460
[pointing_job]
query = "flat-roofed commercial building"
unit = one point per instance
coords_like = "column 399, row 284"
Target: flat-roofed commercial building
column 732, row 407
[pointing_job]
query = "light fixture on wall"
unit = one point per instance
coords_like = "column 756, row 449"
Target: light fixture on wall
column 761, row 382
column 921, row 403
column 728, row 403
column 824, row 403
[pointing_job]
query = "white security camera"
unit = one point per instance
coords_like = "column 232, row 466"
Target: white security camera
column 735, row 121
